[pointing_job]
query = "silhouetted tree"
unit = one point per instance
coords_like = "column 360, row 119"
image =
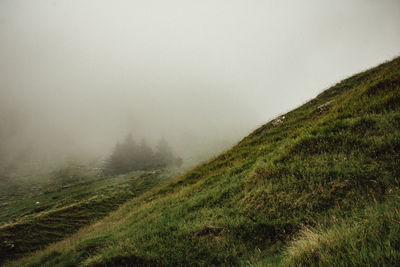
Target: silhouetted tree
column 164, row 157
column 145, row 158
column 128, row 156
column 124, row 157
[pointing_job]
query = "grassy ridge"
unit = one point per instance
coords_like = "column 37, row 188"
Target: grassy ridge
column 370, row 237
column 321, row 167
column 53, row 215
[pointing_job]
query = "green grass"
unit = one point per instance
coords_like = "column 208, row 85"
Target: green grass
column 369, row 238
column 332, row 166
column 52, row 215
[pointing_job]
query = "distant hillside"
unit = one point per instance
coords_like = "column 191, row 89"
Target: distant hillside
column 319, row 185
column 30, row 223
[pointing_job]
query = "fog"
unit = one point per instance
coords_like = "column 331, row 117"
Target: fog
column 77, row 76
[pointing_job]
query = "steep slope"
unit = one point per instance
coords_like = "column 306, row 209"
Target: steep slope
column 319, row 167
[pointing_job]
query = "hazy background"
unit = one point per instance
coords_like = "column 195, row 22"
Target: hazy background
column 76, row 76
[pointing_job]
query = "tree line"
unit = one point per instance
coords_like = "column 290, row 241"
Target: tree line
column 130, row 156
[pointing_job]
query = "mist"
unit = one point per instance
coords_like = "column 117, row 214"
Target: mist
column 78, row 76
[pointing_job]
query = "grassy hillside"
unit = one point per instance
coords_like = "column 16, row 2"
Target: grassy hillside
column 30, row 223
column 317, row 186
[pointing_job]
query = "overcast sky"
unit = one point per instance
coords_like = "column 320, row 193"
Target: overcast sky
column 199, row 73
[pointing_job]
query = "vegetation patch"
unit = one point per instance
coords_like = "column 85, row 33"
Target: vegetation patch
column 319, row 188
column 54, row 221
